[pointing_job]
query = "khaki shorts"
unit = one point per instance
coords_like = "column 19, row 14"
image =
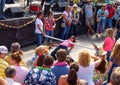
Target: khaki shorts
column 89, row 21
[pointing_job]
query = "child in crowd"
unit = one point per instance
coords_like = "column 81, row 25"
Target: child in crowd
column 40, row 52
column 21, row 71
column 71, row 78
column 114, row 60
column 109, row 42
column 65, row 45
column 69, row 60
column 60, row 67
column 49, row 26
column 10, row 73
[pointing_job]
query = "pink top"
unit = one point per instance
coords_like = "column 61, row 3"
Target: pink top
column 109, row 42
column 67, row 43
column 49, row 24
column 21, row 74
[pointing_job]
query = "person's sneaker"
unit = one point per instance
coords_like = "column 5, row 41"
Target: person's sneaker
column 93, row 37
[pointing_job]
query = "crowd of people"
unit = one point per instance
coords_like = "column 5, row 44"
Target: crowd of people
column 58, row 67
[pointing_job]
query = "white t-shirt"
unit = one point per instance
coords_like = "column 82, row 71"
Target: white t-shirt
column 86, row 73
column 11, row 82
column 38, row 21
column 67, row 16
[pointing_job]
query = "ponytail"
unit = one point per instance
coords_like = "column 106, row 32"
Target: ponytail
column 17, row 56
column 72, row 77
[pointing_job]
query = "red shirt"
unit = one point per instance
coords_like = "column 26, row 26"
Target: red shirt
column 111, row 12
column 49, row 24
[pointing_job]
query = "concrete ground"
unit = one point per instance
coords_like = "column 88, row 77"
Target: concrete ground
column 83, row 43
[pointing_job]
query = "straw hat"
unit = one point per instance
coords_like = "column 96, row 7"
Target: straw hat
column 103, row 4
column 75, row 5
column 100, row 52
column 89, row 0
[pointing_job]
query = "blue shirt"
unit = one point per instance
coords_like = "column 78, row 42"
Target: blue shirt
column 40, row 76
column 102, row 14
column 113, row 65
column 88, row 10
column 60, row 70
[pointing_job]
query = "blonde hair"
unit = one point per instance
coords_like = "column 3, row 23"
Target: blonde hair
column 116, row 53
column 41, row 49
column 110, row 33
column 84, row 58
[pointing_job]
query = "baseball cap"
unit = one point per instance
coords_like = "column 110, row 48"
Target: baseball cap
column 111, row 2
column 3, row 49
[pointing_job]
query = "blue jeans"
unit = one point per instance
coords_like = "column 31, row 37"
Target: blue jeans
column 2, row 4
column 52, row 1
column 73, row 30
column 103, row 23
column 65, row 33
column 109, row 23
column 39, row 38
column 53, row 54
column 108, row 55
column 49, row 33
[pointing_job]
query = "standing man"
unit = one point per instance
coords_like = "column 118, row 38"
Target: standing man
column 111, row 12
column 39, row 28
column 89, row 15
column 2, row 4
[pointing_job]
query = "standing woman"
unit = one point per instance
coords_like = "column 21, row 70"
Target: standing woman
column 49, row 26
column 67, row 18
column 39, row 28
column 75, row 21
column 87, row 66
column 114, row 60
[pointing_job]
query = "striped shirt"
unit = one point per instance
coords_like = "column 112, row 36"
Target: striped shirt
column 3, row 66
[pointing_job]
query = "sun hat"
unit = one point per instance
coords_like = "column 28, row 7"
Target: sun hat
column 100, row 52
column 3, row 49
column 75, row 5
column 104, row 4
column 89, row 0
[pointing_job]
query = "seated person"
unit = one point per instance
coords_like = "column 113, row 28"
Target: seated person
column 3, row 63
column 14, row 48
column 60, row 67
column 10, row 73
column 71, row 78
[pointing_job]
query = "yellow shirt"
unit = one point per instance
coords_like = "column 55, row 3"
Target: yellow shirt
column 8, row 57
column 3, row 66
column 76, row 1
